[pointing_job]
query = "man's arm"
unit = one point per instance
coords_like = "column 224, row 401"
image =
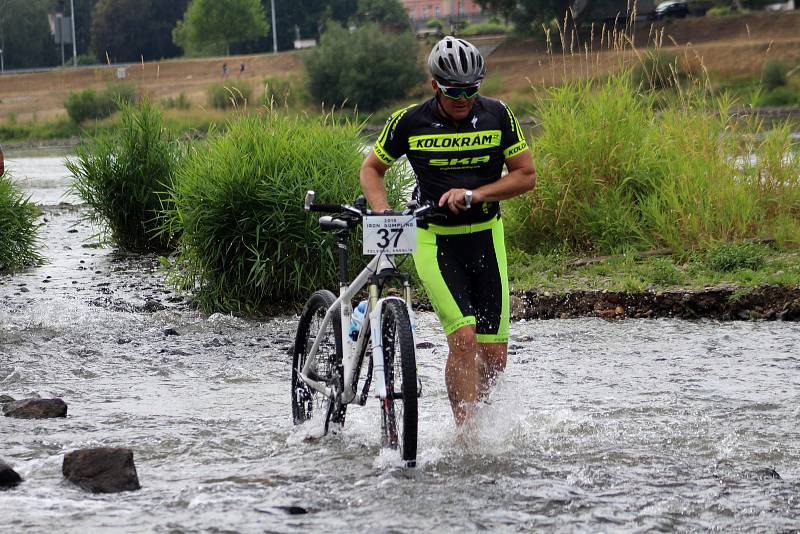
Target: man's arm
column 371, row 177
column 521, row 178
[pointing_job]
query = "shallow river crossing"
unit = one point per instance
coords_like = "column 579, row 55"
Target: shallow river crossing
column 623, row 426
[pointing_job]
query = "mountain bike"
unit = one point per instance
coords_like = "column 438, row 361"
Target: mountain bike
column 330, row 348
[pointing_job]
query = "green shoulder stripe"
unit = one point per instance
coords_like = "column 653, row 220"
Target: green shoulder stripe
column 391, row 124
column 514, row 124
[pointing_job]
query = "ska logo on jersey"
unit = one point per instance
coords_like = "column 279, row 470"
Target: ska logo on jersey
column 458, row 162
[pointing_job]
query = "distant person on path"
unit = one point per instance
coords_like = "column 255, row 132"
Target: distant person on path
column 457, row 143
column 224, row 70
column 2, row 162
column 241, row 68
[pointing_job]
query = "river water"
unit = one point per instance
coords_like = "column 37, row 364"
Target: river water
column 622, row 426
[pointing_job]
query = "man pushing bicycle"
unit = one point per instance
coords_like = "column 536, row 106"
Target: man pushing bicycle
column 457, row 143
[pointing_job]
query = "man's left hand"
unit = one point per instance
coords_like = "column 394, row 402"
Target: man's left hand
column 456, row 201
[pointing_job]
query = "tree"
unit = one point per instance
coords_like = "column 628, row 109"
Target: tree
column 386, row 13
column 528, row 15
column 128, row 30
column 368, row 68
column 220, row 22
column 25, row 36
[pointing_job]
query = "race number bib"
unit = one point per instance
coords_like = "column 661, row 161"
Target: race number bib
column 389, row 234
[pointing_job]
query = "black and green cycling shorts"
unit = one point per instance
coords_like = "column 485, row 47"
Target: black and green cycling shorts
column 463, row 269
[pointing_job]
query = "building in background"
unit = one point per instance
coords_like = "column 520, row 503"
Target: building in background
column 450, row 12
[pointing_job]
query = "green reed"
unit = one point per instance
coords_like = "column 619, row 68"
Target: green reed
column 247, row 245
column 18, row 229
column 231, row 94
column 123, row 176
column 618, row 172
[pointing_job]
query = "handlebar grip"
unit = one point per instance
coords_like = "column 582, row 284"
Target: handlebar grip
column 327, row 208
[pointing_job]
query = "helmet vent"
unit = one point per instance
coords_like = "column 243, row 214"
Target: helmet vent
column 455, row 61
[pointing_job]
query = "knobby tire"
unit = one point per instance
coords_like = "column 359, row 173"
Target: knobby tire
column 399, row 410
column 306, row 400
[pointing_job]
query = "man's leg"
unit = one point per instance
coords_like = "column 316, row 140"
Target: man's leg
column 492, row 357
column 462, row 371
column 471, row 371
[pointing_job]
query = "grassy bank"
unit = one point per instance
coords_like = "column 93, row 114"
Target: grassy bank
column 742, row 266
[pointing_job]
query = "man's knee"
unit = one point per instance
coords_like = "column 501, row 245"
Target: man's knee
column 463, row 341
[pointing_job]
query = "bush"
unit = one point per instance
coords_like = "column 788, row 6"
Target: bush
column 367, row 68
column 123, row 176
column 18, row 228
column 780, row 96
column 621, row 176
column 247, row 245
column 434, row 23
column 89, row 104
column 736, row 256
column 657, row 70
column 87, row 59
column 231, row 94
column 283, row 93
column 177, row 102
column 119, row 95
column 484, row 28
column 84, row 105
column 774, row 74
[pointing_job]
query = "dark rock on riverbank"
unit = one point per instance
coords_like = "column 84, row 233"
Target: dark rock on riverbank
column 101, row 470
column 35, row 408
column 8, row 477
column 723, row 303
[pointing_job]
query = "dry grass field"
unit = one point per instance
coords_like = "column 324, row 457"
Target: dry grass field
column 727, row 46
column 43, row 93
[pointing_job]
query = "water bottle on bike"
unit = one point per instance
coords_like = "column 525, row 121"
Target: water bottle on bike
column 357, row 319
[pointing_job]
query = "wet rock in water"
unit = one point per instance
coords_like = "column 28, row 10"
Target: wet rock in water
column 791, row 311
column 8, row 477
column 152, row 305
column 171, row 332
column 35, row 408
column 292, row 510
column 5, row 399
column 425, row 345
column 101, row 470
column 766, row 473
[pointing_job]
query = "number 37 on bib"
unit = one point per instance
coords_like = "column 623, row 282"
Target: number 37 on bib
column 389, row 234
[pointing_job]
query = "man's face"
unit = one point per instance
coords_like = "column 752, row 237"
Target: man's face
column 456, row 109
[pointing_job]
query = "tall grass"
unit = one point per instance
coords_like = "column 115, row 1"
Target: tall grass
column 246, row 244
column 18, row 228
column 124, row 175
column 231, row 94
column 288, row 93
column 616, row 174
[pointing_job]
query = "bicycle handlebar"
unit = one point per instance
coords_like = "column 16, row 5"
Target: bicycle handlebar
column 358, row 212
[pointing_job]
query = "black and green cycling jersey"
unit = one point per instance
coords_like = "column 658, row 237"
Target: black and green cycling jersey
column 445, row 155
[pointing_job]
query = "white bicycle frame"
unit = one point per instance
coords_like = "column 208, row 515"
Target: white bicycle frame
column 353, row 349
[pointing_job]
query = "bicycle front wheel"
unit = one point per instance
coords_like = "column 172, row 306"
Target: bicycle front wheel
column 327, row 367
column 399, row 409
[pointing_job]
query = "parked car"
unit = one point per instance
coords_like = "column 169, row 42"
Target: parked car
column 671, row 8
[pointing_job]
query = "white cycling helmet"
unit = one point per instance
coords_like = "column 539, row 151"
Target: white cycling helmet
column 456, row 62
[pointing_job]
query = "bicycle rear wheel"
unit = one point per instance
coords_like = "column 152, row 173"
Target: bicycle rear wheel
column 328, row 368
column 399, row 409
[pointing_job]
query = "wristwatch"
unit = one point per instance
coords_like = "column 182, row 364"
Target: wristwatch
column 468, row 199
